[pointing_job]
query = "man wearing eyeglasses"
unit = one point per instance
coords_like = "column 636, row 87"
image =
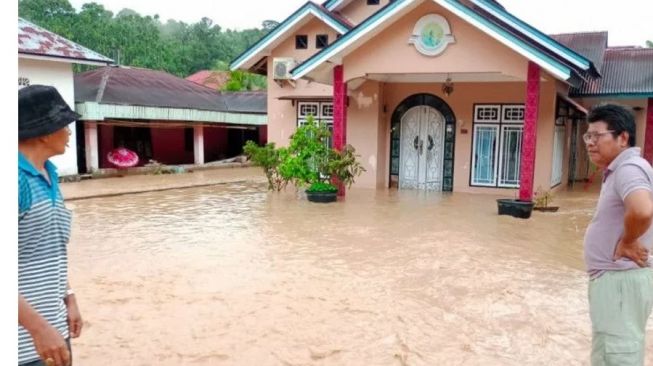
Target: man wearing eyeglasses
column 618, row 240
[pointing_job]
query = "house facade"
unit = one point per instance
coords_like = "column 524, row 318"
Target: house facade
column 162, row 117
column 447, row 95
column 47, row 58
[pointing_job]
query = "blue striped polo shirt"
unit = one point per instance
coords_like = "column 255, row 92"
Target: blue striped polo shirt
column 43, row 233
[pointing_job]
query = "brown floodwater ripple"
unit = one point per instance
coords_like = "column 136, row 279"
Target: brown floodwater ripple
column 234, row 275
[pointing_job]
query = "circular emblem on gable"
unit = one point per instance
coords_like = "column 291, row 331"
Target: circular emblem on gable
column 431, row 35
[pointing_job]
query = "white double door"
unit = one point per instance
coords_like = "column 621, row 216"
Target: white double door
column 421, row 149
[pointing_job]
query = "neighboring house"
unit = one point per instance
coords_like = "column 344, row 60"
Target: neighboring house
column 163, row 117
column 210, row 79
column 47, row 58
column 451, row 95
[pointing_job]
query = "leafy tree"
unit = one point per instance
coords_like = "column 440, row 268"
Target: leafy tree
column 649, row 44
column 241, row 81
column 127, row 12
column 143, row 41
column 55, row 15
column 267, row 157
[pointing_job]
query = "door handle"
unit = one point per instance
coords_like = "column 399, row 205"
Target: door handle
column 431, row 143
column 416, row 142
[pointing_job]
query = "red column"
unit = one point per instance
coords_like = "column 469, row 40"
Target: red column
column 648, row 137
column 527, row 164
column 339, row 115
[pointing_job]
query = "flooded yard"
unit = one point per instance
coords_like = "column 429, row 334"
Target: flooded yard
column 233, row 275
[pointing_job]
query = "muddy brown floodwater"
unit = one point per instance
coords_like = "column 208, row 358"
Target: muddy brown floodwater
column 234, row 275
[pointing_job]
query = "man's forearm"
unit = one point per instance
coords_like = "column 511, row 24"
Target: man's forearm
column 28, row 318
column 636, row 223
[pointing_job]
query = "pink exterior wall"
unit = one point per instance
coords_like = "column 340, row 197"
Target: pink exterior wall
column 366, row 131
column 371, row 104
column 282, row 115
column 474, row 51
column 358, row 10
column 168, row 146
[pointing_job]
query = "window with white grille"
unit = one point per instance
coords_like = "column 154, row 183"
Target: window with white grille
column 304, row 109
column 510, row 155
column 321, row 111
column 496, row 147
column 487, row 113
column 484, row 157
column 512, row 113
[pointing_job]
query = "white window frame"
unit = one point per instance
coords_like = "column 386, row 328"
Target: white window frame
column 321, row 117
column 499, row 177
column 300, row 107
column 495, row 165
column 505, row 107
column 487, row 120
column 502, row 125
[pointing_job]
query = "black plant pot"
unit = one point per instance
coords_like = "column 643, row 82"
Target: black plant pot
column 322, row 197
column 515, row 208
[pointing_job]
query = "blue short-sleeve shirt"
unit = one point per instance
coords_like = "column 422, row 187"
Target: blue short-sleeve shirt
column 43, row 233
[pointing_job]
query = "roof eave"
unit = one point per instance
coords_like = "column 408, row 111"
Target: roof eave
column 259, row 48
column 335, row 50
column 72, row 60
column 328, row 53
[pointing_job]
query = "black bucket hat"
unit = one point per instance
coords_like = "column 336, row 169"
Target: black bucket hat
column 42, row 111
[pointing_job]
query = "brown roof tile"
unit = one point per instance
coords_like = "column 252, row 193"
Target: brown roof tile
column 589, row 44
column 152, row 88
column 211, row 79
column 38, row 41
column 626, row 70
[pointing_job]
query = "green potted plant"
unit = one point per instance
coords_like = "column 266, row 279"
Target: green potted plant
column 308, row 162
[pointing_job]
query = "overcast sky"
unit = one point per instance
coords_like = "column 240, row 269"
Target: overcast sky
column 628, row 22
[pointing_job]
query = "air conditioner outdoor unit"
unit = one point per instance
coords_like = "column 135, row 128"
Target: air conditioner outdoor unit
column 281, row 67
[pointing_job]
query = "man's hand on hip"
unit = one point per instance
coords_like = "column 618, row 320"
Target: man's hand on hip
column 634, row 251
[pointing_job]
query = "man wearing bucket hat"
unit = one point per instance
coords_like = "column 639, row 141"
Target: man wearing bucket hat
column 47, row 310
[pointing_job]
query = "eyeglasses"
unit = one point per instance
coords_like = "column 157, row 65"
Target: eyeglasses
column 593, row 137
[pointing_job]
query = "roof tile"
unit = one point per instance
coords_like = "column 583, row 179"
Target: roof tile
column 35, row 40
column 152, row 88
